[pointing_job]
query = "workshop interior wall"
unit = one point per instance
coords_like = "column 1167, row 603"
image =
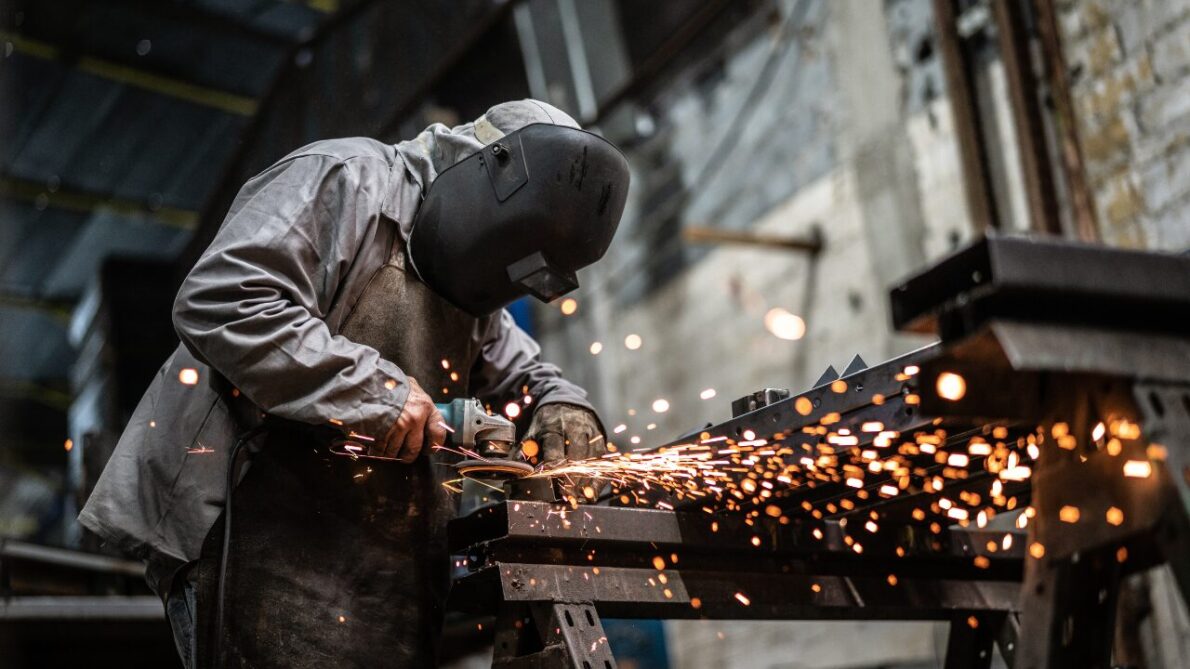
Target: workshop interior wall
column 853, row 137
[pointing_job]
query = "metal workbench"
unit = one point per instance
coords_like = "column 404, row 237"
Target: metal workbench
column 1049, row 339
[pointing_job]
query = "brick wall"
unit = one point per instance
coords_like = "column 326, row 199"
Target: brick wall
column 1130, row 83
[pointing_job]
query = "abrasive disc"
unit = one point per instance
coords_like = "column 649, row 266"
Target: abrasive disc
column 494, row 469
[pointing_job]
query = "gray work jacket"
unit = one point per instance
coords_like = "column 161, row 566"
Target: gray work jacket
column 259, row 317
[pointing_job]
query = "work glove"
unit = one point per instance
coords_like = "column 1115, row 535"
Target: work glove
column 565, row 431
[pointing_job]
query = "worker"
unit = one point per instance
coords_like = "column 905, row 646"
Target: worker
column 351, row 285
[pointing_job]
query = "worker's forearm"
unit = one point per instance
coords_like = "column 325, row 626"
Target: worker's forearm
column 292, row 367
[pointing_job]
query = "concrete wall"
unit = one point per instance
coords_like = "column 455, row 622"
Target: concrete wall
column 1130, row 84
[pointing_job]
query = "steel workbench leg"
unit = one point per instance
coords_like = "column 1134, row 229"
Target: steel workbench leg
column 969, row 644
column 549, row 635
column 1070, row 612
column 1008, row 638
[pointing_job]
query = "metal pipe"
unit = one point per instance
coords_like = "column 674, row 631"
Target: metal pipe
column 812, row 244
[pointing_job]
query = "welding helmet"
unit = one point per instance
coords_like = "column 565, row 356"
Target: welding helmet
column 519, row 217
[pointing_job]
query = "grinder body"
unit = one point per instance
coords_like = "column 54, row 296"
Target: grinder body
column 486, row 438
column 472, row 428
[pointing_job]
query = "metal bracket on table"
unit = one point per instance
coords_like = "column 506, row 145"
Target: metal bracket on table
column 546, row 635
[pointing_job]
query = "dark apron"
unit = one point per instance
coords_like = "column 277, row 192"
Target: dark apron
column 336, row 562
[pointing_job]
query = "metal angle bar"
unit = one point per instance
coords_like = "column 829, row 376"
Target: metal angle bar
column 543, row 528
column 811, row 243
column 546, row 635
column 878, row 393
column 1070, row 349
column 685, row 593
column 809, row 408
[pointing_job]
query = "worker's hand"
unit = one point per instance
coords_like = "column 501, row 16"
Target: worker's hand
column 418, row 426
column 566, row 431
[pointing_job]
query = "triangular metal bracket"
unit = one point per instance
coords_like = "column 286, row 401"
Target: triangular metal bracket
column 857, row 364
column 829, row 375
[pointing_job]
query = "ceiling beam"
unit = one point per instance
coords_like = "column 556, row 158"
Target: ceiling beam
column 197, row 17
column 231, row 103
column 83, row 202
column 59, row 310
column 41, row 393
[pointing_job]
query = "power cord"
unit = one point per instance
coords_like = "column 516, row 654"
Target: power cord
column 230, row 486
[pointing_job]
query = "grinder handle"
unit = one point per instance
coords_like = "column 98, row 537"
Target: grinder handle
column 448, row 413
column 451, row 413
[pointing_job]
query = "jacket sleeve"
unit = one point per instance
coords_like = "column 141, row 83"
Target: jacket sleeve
column 253, row 306
column 510, row 364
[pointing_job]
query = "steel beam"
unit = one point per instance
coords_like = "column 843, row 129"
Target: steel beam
column 87, row 202
column 1018, row 278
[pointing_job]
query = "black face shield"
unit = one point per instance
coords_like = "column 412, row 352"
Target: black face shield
column 519, row 217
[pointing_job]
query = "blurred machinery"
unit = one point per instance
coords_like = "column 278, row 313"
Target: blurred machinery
column 1061, row 386
column 61, row 608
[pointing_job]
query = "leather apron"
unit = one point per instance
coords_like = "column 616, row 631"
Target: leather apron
column 341, row 562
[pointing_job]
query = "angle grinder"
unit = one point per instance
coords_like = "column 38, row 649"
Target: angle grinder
column 489, row 438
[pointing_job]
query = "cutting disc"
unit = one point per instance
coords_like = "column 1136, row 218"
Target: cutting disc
column 494, row 469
